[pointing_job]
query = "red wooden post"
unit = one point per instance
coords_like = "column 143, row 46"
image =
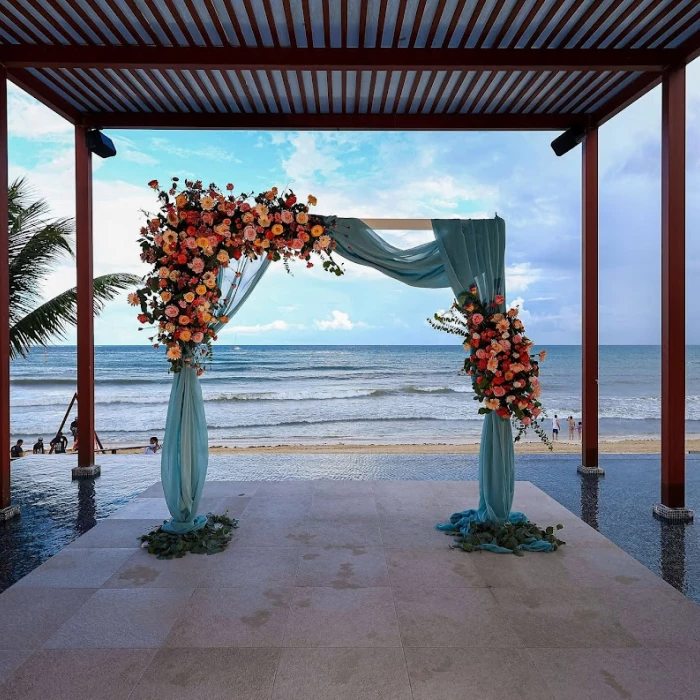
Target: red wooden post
column 86, row 341
column 5, row 508
column 589, row 294
column 673, row 289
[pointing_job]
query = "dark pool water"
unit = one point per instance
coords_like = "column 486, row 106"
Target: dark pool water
column 56, row 510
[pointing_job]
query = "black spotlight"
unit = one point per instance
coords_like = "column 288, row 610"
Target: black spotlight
column 569, row 139
column 99, row 144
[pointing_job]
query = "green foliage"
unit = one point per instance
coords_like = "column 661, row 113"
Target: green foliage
column 507, row 535
column 213, row 538
column 37, row 246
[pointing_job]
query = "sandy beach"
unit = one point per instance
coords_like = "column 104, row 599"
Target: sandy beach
column 621, row 446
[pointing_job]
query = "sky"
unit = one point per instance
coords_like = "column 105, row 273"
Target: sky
column 393, row 175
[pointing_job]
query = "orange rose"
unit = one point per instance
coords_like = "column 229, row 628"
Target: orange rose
column 184, row 320
column 317, row 231
column 181, row 200
column 185, row 335
column 201, row 290
column 166, row 296
column 277, row 229
column 189, row 297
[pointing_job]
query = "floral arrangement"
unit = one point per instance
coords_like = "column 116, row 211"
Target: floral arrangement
column 202, row 230
column 504, row 373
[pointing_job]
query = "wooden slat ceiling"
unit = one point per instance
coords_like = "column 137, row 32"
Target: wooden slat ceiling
column 363, row 64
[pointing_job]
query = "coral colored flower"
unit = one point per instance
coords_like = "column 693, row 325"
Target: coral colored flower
column 134, row 299
column 222, row 256
column 302, row 218
column 181, row 200
column 189, row 297
column 197, row 337
column 499, row 299
column 201, row 290
column 277, row 229
column 171, row 311
column 163, row 272
column 317, row 230
column 185, row 335
column 499, row 391
column 223, row 319
column 492, row 364
column 173, row 352
column 166, row 296
column 324, row 241
column 184, row 320
column 491, row 404
column 287, row 217
column 477, row 319
column 182, row 259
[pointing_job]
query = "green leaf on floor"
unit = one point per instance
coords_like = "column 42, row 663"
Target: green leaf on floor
column 213, row 538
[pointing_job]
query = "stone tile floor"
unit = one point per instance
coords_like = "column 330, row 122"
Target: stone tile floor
column 343, row 590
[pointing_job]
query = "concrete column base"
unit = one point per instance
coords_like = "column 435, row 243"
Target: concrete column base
column 672, row 515
column 9, row 513
column 590, row 471
column 84, row 472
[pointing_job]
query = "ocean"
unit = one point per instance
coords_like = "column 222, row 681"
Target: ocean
column 281, row 395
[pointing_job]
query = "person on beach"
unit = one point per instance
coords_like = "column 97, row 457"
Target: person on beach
column 580, row 430
column 555, row 427
column 16, row 451
column 38, row 448
column 572, row 427
column 74, row 432
column 153, row 446
column 59, row 444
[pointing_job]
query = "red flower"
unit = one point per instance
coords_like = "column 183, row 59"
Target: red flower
column 182, row 258
column 142, row 318
column 291, row 200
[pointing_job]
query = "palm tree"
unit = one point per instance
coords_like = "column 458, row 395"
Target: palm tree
column 36, row 244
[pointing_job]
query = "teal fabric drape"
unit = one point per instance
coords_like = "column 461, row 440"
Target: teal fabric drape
column 185, row 455
column 464, row 252
column 421, row 266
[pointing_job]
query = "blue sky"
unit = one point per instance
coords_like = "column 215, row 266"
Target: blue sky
column 401, row 175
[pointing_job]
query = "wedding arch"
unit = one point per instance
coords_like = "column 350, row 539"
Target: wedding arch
column 192, row 244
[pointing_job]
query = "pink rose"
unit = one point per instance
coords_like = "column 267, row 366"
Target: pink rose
column 287, row 217
column 477, row 319
column 197, row 265
column 191, row 242
column 481, row 354
column 499, row 299
column 171, row 311
column 249, row 233
column 499, row 391
column 526, row 421
column 296, row 244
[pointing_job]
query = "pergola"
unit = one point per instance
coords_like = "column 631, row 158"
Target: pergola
column 369, row 65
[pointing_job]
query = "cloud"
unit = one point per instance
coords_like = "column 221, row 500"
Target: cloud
column 138, row 157
column 277, row 325
column 340, row 321
column 208, row 152
column 288, row 309
column 519, row 276
column 29, row 119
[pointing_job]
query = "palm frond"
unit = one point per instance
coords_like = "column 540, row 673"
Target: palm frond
column 50, row 320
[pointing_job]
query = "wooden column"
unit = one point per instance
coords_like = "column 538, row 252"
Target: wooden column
column 673, row 289
column 86, row 341
column 589, row 295
column 4, row 306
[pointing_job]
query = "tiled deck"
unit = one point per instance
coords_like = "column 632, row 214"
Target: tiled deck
column 342, row 590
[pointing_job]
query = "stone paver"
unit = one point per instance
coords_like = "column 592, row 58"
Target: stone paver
column 344, row 590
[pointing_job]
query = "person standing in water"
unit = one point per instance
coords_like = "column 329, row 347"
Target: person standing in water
column 572, row 427
column 555, row 427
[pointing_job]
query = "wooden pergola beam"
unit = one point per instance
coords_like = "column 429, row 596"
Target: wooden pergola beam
column 234, row 58
column 331, row 121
